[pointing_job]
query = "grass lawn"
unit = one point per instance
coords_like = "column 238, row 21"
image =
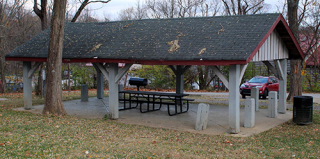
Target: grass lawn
column 26, row 135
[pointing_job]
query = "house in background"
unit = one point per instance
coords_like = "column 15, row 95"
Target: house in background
column 311, row 66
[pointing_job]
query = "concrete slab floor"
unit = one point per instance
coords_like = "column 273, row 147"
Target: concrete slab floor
column 217, row 124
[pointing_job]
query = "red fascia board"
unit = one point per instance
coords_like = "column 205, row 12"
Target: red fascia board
column 280, row 18
column 143, row 62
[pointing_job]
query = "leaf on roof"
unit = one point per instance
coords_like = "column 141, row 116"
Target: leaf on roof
column 202, row 51
column 221, row 30
column 173, row 45
column 180, row 34
column 126, row 26
column 95, row 47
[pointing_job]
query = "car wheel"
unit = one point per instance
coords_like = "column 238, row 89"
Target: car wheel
column 265, row 94
column 243, row 96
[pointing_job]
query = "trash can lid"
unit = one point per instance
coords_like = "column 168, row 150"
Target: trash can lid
column 303, row 97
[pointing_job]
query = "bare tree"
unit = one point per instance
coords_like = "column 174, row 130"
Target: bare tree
column 243, row 7
column 42, row 13
column 163, row 8
column 86, row 16
column 126, row 14
column 295, row 65
column 10, row 11
column 83, row 5
column 310, row 39
column 53, row 100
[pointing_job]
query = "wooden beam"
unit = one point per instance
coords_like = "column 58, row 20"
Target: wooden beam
column 96, row 67
column 222, row 77
column 122, row 71
column 33, row 69
column 242, row 70
column 174, row 70
column 102, row 69
column 279, row 69
column 185, row 68
column 273, row 70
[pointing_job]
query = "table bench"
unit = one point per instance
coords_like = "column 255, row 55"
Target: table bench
column 154, row 101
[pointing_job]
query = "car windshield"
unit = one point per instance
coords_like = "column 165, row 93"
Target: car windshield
column 258, row 80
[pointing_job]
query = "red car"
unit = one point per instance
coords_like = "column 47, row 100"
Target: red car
column 265, row 85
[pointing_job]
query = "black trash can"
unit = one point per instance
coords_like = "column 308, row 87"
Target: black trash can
column 302, row 109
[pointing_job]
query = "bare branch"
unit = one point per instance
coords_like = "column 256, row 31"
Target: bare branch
column 99, row 1
column 36, row 8
column 83, row 5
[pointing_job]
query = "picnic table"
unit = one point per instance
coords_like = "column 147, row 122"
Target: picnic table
column 154, row 101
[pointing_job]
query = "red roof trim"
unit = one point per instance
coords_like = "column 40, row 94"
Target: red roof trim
column 143, row 62
column 280, row 18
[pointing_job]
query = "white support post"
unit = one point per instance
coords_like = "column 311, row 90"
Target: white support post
column 273, row 105
column 234, row 99
column 179, row 71
column 249, row 113
column 179, row 80
column 222, row 77
column 27, row 88
column 113, row 92
column 283, row 88
column 100, row 85
column 255, row 96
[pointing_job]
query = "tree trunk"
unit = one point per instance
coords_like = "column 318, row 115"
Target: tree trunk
column 295, row 65
column 53, row 100
column 42, row 14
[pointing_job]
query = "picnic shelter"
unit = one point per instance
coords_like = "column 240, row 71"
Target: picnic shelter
column 232, row 41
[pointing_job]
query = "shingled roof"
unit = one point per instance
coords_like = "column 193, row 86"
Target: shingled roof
column 200, row 40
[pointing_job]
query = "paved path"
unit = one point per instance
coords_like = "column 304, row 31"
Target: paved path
column 217, row 122
column 262, row 102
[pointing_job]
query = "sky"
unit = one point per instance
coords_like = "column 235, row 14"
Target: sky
column 112, row 8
